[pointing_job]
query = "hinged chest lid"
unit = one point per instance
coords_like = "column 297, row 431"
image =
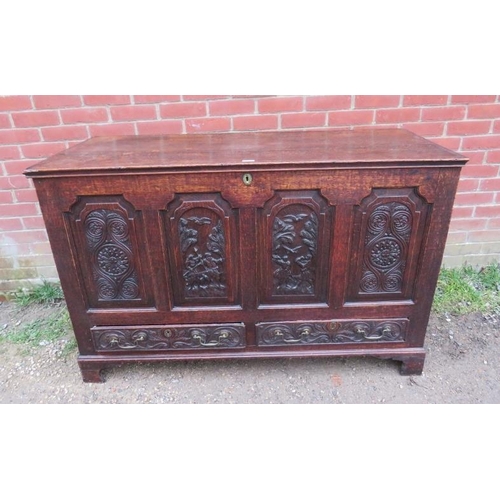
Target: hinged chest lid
column 365, row 148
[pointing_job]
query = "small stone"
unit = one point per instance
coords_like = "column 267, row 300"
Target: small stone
column 485, row 362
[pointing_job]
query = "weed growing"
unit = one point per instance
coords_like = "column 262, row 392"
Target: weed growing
column 46, row 294
column 466, row 290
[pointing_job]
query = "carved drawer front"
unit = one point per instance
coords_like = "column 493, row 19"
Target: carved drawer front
column 294, row 245
column 331, row 332
column 169, row 337
column 389, row 228
column 107, row 233
column 202, row 244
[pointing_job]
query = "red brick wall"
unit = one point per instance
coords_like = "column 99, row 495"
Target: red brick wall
column 34, row 127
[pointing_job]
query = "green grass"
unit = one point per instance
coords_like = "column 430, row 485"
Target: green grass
column 466, row 289
column 46, row 293
column 43, row 330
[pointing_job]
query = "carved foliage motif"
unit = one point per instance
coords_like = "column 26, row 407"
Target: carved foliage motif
column 294, row 249
column 331, row 332
column 170, row 337
column 108, row 242
column 202, row 245
column 387, row 238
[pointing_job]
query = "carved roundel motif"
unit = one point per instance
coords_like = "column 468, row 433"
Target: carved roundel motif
column 385, row 252
column 113, row 260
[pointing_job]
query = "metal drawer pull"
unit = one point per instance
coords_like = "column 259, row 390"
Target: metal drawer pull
column 304, row 333
column 224, row 334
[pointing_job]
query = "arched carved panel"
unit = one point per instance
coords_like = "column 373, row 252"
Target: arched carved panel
column 390, row 225
column 295, row 233
column 201, row 240
column 106, row 242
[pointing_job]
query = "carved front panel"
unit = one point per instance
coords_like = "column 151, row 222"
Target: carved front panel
column 331, row 332
column 295, row 239
column 169, row 337
column 389, row 227
column 106, row 243
column 201, row 241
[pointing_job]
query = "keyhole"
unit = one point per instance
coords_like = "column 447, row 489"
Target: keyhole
column 247, row 179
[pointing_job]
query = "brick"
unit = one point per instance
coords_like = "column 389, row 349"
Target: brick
column 26, row 195
column 397, row 115
column 9, row 153
column 298, row 120
column 42, row 150
column 56, row 101
column 18, row 209
column 64, row 133
column 466, row 99
column 146, row 99
column 111, row 129
column 231, row 107
column 6, row 197
column 483, row 111
column 452, row 143
column 487, row 211
column 14, row 102
column 5, row 121
column 31, row 236
column 481, row 142
column 493, row 224
column 40, row 248
column 102, row 100
column 84, row 115
column 257, row 122
column 443, row 113
column 183, row 110
column 496, row 127
column 493, row 156
column 473, row 199
column 34, row 222
column 327, row 102
column 483, row 236
column 462, row 212
column 195, row 125
column 280, row 104
column 16, row 136
column 35, row 118
column 464, row 249
column 422, row 100
column 428, row 129
column 456, row 237
column 490, row 184
column 468, row 224
column 376, row 101
column 13, row 224
column 17, row 167
column 160, row 127
column 203, row 97
column 482, row 171
column 466, row 185
column 15, row 182
column 468, row 128
column 132, row 113
column 355, row 117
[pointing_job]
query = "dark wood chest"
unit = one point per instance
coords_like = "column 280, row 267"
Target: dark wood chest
column 270, row 244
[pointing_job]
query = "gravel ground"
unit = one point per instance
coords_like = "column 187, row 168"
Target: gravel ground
column 462, row 366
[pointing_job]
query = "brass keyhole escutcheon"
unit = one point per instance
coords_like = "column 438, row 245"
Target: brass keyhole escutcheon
column 247, row 179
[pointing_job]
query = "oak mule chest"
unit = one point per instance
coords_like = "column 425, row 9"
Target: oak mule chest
column 249, row 245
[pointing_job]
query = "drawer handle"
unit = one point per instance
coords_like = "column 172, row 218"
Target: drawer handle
column 304, row 333
column 247, row 179
column 385, row 331
column 224, row 334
